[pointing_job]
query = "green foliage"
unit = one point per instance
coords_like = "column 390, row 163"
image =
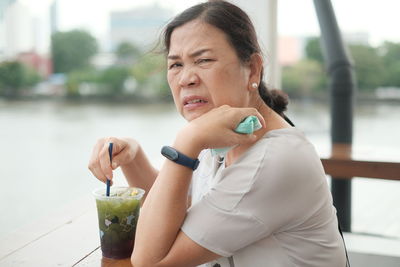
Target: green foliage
column 313, row 50
column 368, row 67
column 304, row 78
column 106, row 82
column 150, row 74
column 126, row 50
column 11, row 75
column 113, row 79
column 373, row 67
column 15, row 76
column 392, row 75
column 77, row 78
column 390, row 53
column 72, row 50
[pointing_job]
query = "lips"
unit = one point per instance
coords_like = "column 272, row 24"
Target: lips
column 192, row 102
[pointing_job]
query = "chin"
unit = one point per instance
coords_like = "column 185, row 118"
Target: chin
column 192, row 116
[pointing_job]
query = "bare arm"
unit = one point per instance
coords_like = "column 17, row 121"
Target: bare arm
column 159, row 240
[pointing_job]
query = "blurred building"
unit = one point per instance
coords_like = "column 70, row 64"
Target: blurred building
column 4, row 4
column 290, row 50
column 19, row 30
column 54, row 17
column 21, row 37
column 41, row 64
column 139, row 26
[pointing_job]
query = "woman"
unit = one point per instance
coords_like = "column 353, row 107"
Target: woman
column 266, row 202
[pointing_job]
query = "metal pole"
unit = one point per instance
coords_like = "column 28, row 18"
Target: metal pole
column 342, row 86
column 272, row 66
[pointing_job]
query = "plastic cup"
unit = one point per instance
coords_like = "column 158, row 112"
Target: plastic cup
column 118, row 215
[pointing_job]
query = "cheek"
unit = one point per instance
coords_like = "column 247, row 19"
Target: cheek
column 171, row 82
column 171, row 79
column 231, row 82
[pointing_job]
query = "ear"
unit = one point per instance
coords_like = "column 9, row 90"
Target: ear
column 256, row 66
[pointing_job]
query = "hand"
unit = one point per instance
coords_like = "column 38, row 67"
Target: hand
column 216, row 128
column 124, row 152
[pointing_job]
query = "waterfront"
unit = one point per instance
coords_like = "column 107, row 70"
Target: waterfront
column 45, row 147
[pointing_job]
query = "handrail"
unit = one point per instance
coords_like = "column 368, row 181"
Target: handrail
column 348, row 168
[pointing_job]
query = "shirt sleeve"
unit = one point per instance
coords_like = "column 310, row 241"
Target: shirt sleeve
column 251, row 199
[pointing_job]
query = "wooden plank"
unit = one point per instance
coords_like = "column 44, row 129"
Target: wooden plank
column 62, row 244
column 37, row 229
column 95, row 259
column 347, row 169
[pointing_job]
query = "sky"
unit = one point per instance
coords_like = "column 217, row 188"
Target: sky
column 295, row 17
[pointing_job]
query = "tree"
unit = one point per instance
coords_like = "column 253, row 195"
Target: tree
column 150, row 74
column 127, row 52
column 72, row 50
column 391, row 58
column 304, row 78
column 313, row 50
column 390, row 52
column 113, row 78
column 15, row 76
column 79, row 77
column 368, row 66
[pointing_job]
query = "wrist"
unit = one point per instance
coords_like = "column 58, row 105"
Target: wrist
column 187, row 145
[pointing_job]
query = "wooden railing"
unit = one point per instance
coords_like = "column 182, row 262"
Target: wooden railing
column 348, row 168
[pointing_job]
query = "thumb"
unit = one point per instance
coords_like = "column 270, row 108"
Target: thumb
column 247, row 138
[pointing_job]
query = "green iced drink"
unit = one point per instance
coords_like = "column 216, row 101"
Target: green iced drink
column 118, row 215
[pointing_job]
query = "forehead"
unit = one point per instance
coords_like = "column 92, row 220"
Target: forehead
column 195, row 35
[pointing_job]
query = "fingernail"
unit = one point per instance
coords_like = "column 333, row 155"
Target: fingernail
column 114, row 165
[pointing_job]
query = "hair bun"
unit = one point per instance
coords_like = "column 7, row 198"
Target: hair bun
column 280, row 100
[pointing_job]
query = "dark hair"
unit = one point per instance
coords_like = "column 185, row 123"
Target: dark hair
column 241, row 34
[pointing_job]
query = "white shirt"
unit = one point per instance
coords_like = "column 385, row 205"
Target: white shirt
column 272, row 207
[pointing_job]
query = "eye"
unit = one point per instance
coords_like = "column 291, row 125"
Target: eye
column 203, row 60
column 174, row 65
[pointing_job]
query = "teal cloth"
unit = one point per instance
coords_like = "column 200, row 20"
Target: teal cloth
column 249, row 125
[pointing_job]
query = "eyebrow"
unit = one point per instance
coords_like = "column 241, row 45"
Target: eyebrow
column 194, row 54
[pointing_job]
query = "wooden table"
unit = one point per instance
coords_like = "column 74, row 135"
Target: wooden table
column 95, row 259
column 68, row 237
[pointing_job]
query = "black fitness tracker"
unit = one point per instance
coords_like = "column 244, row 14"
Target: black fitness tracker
column 179, row 158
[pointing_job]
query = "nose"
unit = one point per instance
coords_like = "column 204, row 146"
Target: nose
column 188, row 78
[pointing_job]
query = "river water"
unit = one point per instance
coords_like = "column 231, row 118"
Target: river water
column 45, row 147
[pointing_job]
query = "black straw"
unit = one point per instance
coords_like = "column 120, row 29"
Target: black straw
column 110, row 149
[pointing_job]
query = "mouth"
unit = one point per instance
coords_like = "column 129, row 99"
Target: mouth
column 192, row 102
column 195, row 101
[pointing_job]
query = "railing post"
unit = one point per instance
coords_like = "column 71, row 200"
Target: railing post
column 342, row 84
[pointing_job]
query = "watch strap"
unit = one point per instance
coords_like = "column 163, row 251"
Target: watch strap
column 179, row 158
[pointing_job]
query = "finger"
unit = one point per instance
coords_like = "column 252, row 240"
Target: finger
column 104, row 160
column 94, row 164
column 261, row 119
column 119, row 158
column 255, row 112
column 98, row 173
column 95, row 153
column 245, row 138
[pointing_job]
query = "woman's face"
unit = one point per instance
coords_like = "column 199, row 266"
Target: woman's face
column 204, row 71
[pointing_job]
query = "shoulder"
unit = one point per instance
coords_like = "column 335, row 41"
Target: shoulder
column 284, row 158
column 281, row 147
